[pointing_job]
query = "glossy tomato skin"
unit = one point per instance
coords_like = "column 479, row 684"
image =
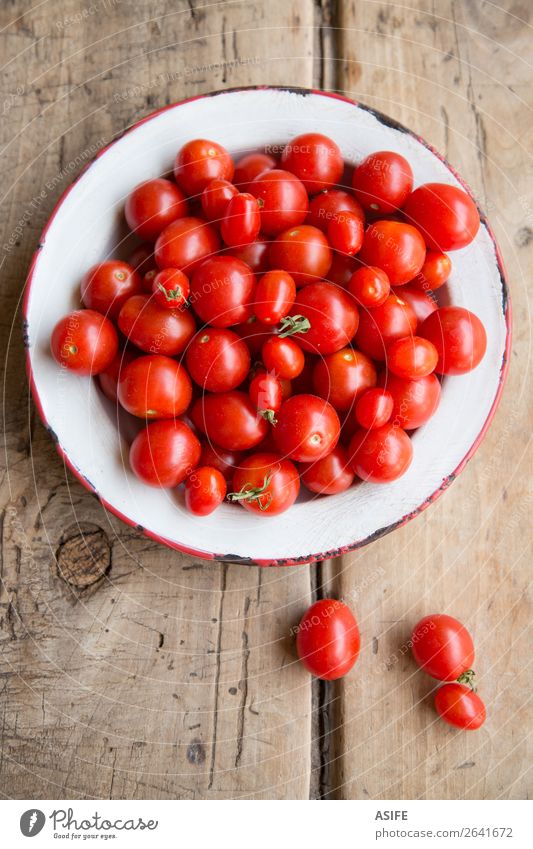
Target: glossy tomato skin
column 241, row 222
column 379, row 327
column 422, row 303
column 345, row 233
column 199, row 162
column 152, row 206
column 326, row 206
column 315, row 159
column 308, row 428
column 459, row 337
column 445, row 215
column 459, row 706
column 341, row 377
column 374, row 408
column 222, row 459
column 217, row 359
column 266, row 393
column 170, row 288
column 274, row 296
column 283, row 357
column 303, row 251
column 154, row 329
column 154, row 387
column 412, row 357
column 442, row 647
column 333, row 316
column 369, row 286
column 108, row 285
column 249, row 166
column 380, row 455
column 216, row 197
column 164, row 453
column 185, row 243
column 329, row 475
column 255, row 254
column 397, row 248
column 109, row 377
column 254, row 333
column 205, row 490
column 382, row 181
column 282, row 200
column 222, row 291
column 328, row 640
column 266, row 484
column 230, row 420
column 84, row 342
column 415, row 401
column 142, row 258
column 434, row 273
column 341, row 269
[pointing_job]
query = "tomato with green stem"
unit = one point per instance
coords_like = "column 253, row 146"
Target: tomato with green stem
column 443, row 648
column 205, row 490
column 170, row 288
column 266, row 484
column 266, row 394
column 327, row 639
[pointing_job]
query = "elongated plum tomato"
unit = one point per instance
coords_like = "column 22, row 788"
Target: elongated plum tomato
column 422, row 303
column 283, row 357
column 329, row 475
column 266, row 394
column 434, row 273
column 199, row 162
column 274, row 296
column 205, row 489
column 164, row 453
column 215, row 198
column 459, row 337
column 303, row 251
column 152, row 206
column 380, row 326
column 185, row 244
column 217, row 359
column 415, row 401
column 332, row 314
column 222, row 291
column 397, row 248
column 249, row 166
column 382, row 181
column 380, row 455
column 374, row 408
column 315, row 159
column 327, row 640
column 241, row 222
column 282, row 200
column 108, row 285
column 445, row 215
column 308, row 428
column 370, row 286
column 85, row 342
column 223, row 459
column 325, row 207
column 345, row 233
column 442, row 647
column 154, row 329
column 230, row 420
column 459, row 706
column 412, row 357
column 170, row 288
column 265, row 483
column 341, row 377
column 154, row 387
column 109, row 377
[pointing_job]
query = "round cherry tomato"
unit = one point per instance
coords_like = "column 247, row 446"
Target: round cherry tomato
column 154, row 329
column 327, row 640
column 380, row 455
column 152, row 206
column 215, row 198
column 241, row 222
column 283, row 357
column 249, row 166
column 282, row 200
column 274, row 296
column 185, row 244
column 341, row 377
column 221, row 458
column 315, row 159
column 217, row 360
column 329, row 475
column 254, row 254
column 442, row 647
column 303, row 251
column 370, row 286
column 459, row 337
column 142, row 259
column 154, row 387
column 434, row 273
column 397, row 248
column 84, row 342
column 199, row 162
column 374, row 408
column 265, row 483
column 254, row 334
column 229, row 419
column 108, row 378
column 415, row 401
column 383, row 181
column 147, row 283
column 422, row 303
column 459, row 706
column 222, row 291
column 266, row 394
column 205, row 489
column 108, row 285
column 325, row 207
column 445, row 215
column 332, row 314
column 412, row 357
column 164, row 453
column 308, row 428
column 379, row 327
column 170, row 288
column 345, row 233
column 341, row 269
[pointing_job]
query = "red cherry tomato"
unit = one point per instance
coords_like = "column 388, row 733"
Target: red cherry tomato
column 152, row 206
column 215, row 198
column 249, row 166
column 283, row 357
column 265, row 483
column 383, row 181
column 221, row 458
column 459, row 706
column 325, row 207
column 459, row 337
column 434, row 273
column 370, row 286
column 154, row 387
column 254, row 254
column 341, row 269
column 147, row 283
column 332, row 314
column 217, row 360
column 266, row 394
column 254, row 334
column 308, row 428
column 412, row 357
column 415, row 401
column 229, row 419
column 380, row 455
column 345, row 233
column 445, row 215
column 108, row 285
column 379, row 327
column 185, row 244
column 109, row 377
column 341, row 377
column 282, row 200
column 374, row 408
column 442, row 647
column 397, row 248
column 164, row 453
column 205, row 489
column 84, row 342
column 303, row 251
column 241, row 222
column 199, row 162
column 154, row 329
column 142, row 259
column 421, row 303
column 170, row 288
column 315, row 159
column 274, row 296
column 222, row 291
column 327, row 640
column 329, row 475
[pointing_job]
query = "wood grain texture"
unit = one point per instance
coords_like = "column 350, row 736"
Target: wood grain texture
column 129, row 671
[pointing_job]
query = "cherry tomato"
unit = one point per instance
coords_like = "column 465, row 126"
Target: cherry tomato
column 459, row 337
column 84, row 342
column 222, row 291
column 379, row 327
column 327, row 640
column 397, row 248
column 154, row 329
column 282, row 200
column 412, row 357
column 108, row 285
column 283, row 357
column 217, row 360
column 241, row 222
column 383, row 181
column 265, row 483
column 459, row 706
column 221, row 458
column 332, row 314
column 445, row 215
column 170, row 288
column 434, row 273
column 303, row 251
column 164, row 453
column 254, row 334
column 329, row 475
column 325, row 207
column 345, row 233
column 370, row 286
column 199, row 162
column 380, row 455
column 142, row 258
column 274, row 296
column 315, row 159
column 374, row 408
column 415, row 401
column 266, row 394
column 215, row 198
column 421, row 303
column 249, row 166
column 442, row 647
column 229, row 419
column 205, row 489
column 108, row 378
column 341, row 377
column 255, row 254
column 154, row 387
column 341, row 269
column 147, row 283
column 185, row 244
column 152, row 206
column 308, row 428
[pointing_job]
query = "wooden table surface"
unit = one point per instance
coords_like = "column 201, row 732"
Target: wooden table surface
column 130, row 671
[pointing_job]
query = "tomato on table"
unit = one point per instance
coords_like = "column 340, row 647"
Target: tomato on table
column 459, row 706
column 383, row 181
column 152, row 206
column 199, row 162
column 369, row 286
column 154, row 387
column 374, row 408
column 332, row 314
column 205, row 490
column 327, row 639
column 325, row 207
column 241, row 222
column 303, row 251
column 315, row 159
column 342, row 376
column 459, row 337
column 170, row 288
column 380, row 455
column 422, row 303
column 345, row 233
column 412, row 357
column 249, row 166
column 397, row 248
column 434, row 273
column 84, row 342
column 222, row 291
column 229, row 419
column 308, row 428
column 283, row 357
column 329, row 475
column 415, row 401
column 185, row 244
column 108, row 285
column 265, row 483
column 442, row 647
column 154, row 329
column 282, row 200
column 217, row 359
column 445, row 215
column 274, row 296
column 164, row 453
column 380, row 326
column 216, row 197
column 266, row 394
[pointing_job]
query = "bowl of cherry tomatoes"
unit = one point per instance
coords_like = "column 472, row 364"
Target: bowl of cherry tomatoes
column 267, row 326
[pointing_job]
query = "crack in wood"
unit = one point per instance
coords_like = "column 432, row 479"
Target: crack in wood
column 243, row 683
column 223, row 584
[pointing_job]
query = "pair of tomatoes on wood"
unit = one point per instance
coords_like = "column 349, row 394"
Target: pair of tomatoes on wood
column 276, row 328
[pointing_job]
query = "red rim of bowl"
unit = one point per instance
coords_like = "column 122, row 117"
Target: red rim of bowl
column 311, row 558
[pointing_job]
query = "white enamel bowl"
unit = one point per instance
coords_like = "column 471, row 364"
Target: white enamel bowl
column 87, row 227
